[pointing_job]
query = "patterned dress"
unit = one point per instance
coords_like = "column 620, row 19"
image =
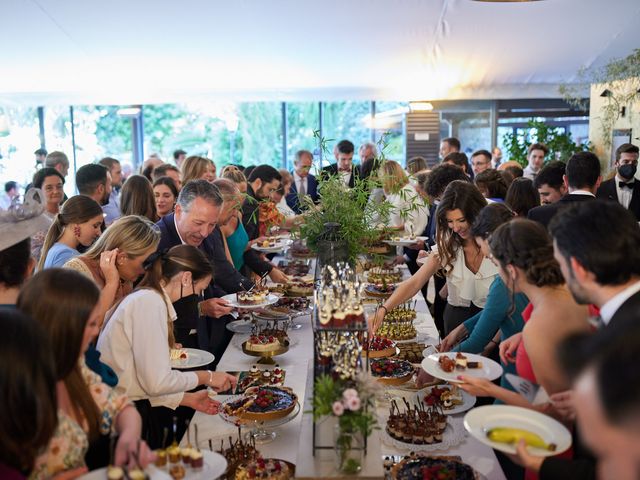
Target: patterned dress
column 67, row 448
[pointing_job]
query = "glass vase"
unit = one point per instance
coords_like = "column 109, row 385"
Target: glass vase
column 349, row 450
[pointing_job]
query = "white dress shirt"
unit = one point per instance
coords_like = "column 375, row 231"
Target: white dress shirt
column 610, row 308
column 529, row 173
column 624, row 194
column 135, row 343
column 298, row 180
column 346, row 177
column 408, row 207
column 284, row 208
column 466, row 288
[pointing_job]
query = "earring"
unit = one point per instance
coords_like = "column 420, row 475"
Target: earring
column 76, row 231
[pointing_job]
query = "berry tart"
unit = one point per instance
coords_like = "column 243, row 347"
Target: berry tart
column 264, row 468
column 418, row 467
column 262, row 343
column 380, row 347
column 379, row 290
column 262, row 404
column 391, row 372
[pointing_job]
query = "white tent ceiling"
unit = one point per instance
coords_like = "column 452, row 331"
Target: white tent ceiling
column 146, row 51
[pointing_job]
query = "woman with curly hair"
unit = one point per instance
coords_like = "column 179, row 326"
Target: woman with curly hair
column 468, row 272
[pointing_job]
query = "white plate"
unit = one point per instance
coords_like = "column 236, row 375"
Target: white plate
column 232, row 299
column 490, row 369
column 280, row 245
column 214, row 466
column 404, row 241
column 154, row 473
column 468, row 401
column 240, row 326
column 452, row 436
column 480, row 419
column 195, row 358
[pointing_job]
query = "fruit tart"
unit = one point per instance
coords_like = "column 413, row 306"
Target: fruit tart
column 380, row 347
column 262, row 404
column 391, row 372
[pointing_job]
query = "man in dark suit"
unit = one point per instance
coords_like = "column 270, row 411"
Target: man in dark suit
column 263, row 181
column 582, row 178
column 624, row 188
column 596, row 246
column 303, row 182
column 344, row 164
column 197, row 212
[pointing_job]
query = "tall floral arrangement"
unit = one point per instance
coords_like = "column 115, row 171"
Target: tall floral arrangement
column 352, row 403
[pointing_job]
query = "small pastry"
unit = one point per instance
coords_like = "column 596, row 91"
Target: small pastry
column 173, row 452
column 115, row 473
column 197, row 459
column 161, row 458
column 136, row 474
column 254, row 369
column 185, row 453
column 177, row 472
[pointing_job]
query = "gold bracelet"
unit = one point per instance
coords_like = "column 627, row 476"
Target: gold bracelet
column 210, row 377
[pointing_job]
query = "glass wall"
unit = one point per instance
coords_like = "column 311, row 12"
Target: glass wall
column 19, row 138
column 389, row 129
column 345, row 120
column 302, row 120
column 472, row 128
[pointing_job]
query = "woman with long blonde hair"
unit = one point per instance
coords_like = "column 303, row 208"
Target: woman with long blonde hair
column 116, row 260
column 409, row 212
column 195, row 168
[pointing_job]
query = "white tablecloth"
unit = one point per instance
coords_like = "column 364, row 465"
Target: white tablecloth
column 294, row 439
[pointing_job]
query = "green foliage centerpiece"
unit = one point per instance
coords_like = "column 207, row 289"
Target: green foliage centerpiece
column 356, row 217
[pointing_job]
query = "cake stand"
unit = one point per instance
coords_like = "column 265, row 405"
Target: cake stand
column 266, row 357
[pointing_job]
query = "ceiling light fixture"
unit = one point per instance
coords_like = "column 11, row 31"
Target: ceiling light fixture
column 420, row 106
column 129, row 112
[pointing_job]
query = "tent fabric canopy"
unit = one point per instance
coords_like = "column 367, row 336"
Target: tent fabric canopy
column 150, row 51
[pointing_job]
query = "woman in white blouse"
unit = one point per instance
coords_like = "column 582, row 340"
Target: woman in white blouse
column 138, row 336
column 469, row 273
column 409, row 212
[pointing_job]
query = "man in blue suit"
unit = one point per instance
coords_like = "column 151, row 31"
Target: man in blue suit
column 303, row 182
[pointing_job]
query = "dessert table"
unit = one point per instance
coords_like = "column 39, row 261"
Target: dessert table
column 293, row 442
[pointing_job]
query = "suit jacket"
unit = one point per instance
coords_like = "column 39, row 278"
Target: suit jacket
column 226, row 279
column 628, row 312
column 333, row 170
column 544, row 213
column 312, row 191
column 608, row 191
column 250, row 220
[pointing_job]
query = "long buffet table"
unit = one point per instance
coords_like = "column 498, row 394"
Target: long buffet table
column 293, row 442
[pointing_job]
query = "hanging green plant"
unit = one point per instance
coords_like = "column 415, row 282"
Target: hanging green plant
column 620, row 82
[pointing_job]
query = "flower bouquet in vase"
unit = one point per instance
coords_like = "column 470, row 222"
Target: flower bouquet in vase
column 351, row 403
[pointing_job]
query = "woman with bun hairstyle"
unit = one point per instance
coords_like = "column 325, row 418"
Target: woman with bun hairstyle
column 468, row 272
column 78, row 223
column 523, row 252
column 88, row 410
column 138, row 337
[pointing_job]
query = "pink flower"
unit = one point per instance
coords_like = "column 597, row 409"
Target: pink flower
column 338, row 409
column 349, row 393
column 353, row 403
